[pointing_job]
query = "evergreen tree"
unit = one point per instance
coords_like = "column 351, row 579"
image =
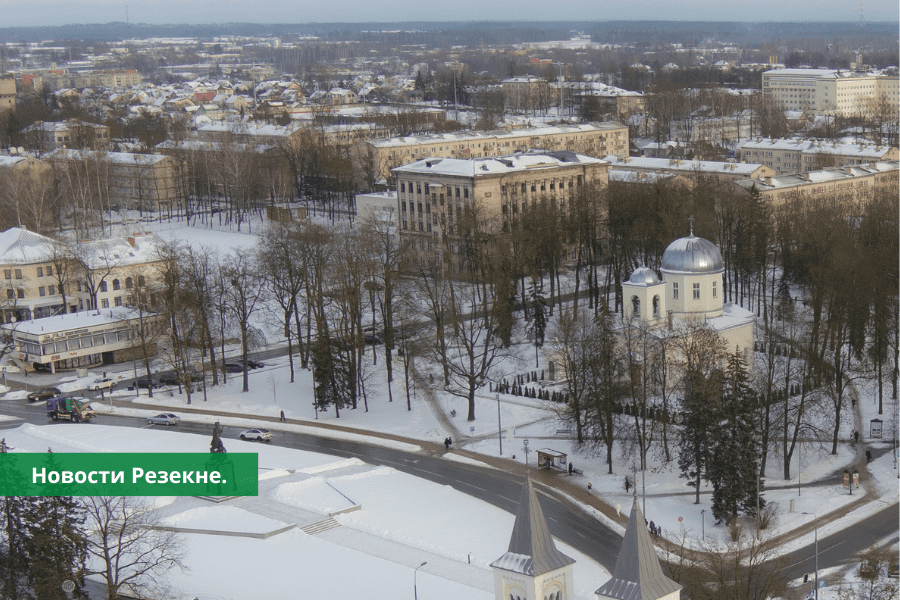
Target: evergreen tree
column 14, row 561
column 56, row 546
column 536, row 317
column 734, row 447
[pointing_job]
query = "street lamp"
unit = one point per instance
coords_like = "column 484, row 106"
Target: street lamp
column 817, row 551
column 499, row 427
column 415, row 574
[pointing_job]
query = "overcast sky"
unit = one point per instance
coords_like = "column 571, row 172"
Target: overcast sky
column 53, row 12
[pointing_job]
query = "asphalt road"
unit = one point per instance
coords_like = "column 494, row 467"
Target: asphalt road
column 567, row 522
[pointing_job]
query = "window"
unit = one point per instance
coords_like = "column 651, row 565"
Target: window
column 715, row 289
column 465, row 192
column 118, row 300
column 696, row 291
column 18, row 273
column 116, row 284
column 42, row 291
column 10, row 293
column 40, row 271
column 20, row 293
column 675, row 291
column 78, row 285
column 51, row 290
column 49, row 271
column 523, row 188
column 403, row 206
column 104, row 303
column 402, row 188
column 102, row 286
column 8, row 273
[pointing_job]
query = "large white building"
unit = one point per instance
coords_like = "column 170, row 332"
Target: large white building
column 829, row 91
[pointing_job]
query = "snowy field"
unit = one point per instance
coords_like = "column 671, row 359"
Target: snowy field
column 402, row 522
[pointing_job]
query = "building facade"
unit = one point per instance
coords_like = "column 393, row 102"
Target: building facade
column 591, row 139
column 7, row 93
column 433, row 193
column 829, row 91
column 696, row 171
column 796, row 156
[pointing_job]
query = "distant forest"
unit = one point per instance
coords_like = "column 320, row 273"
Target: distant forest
column 445, row 34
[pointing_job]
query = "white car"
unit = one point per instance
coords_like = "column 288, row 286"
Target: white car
column 260, row 435
column 104, row 383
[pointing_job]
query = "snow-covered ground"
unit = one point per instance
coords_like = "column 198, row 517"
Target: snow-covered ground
column 401, row 522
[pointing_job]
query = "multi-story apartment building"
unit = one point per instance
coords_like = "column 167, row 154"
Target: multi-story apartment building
column 855, row 183
column 47, row 136
column 797, row 156
column 591, row 139
column 828, row 90
column 433, row 193
column 57, row 79
column 7, row 93
column 134, row 181
column 695, row 171
column 37, row 270
column 524, row 94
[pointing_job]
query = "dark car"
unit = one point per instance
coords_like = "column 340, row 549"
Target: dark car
column 145, row 383
column 234, row 368
column 44, row 394
column 255, row 364
column 173, row 379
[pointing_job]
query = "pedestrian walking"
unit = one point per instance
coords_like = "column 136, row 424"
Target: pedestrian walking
column 570, row 468
column 652, row 528
column 627, row 484
column 447, row 443
column 868, row 456
column 855, row 436
column 589, row 487
column 282, row 417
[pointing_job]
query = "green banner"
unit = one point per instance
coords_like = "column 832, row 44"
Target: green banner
column 129, row 474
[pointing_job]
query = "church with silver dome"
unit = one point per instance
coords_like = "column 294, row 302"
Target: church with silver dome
column 690, row 289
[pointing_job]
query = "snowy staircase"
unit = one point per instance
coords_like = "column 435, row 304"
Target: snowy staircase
column 321, row 526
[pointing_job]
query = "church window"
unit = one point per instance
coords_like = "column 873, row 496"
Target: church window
column 675, row 291
column 655, row 306
column 715, row 289
column 696, row 291
column 635, row 307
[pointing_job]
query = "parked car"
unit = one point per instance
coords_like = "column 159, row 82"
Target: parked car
column 103, row 383
column 373, row 335
column 255, row 364
column 145, row 383
column 260, row 435
column 173, row 379
column 234, row 368
column 164, row 419
column 44, row 394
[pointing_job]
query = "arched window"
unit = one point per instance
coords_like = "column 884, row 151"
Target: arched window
column 141, row 281
column 715, row 289
column 675, row 291
column 129, row 283
column 635, row 307
column 116, row 284
column 102, row 286
column 655, row 306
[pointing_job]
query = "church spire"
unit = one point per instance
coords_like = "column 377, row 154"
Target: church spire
column 637, row 575
column 531, row 548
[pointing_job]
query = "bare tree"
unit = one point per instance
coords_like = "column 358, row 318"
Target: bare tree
column 128, row 550
column 245, row 296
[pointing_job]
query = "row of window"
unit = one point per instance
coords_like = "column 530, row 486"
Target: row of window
column 696, row 290
column 418, row 190
column 85, row 341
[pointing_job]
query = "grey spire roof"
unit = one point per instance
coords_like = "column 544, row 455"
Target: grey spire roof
column 638, row 575
column 531, row 548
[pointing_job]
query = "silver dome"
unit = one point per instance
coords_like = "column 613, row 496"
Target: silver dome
column 692, row 255
column 643, row 275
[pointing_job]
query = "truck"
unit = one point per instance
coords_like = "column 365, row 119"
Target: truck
column 74, row 409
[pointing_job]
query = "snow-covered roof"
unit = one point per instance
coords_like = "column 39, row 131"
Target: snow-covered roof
column 121, row 158
column 826, row 175
column 451, row 138
column 78, row 320
column 499, row 165
column 687, row 166
column 812, row 146
column 19, row 246
column 120, row 252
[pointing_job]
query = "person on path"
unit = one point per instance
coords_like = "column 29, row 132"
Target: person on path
column 570, row 468
column 589, row 487
column 282, row 416
column 447, row 443
column 652, row 528
column 855, row 436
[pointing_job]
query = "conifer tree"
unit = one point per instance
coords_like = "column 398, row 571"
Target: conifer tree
column 734, row 446
column 56, row 546
column 14, row 562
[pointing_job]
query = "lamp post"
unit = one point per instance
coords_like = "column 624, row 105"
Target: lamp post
column 499, row 427
column 817, row 552
column 415, row 575
column 703, row 522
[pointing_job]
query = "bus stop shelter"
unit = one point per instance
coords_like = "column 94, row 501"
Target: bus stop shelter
column 548, row 458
